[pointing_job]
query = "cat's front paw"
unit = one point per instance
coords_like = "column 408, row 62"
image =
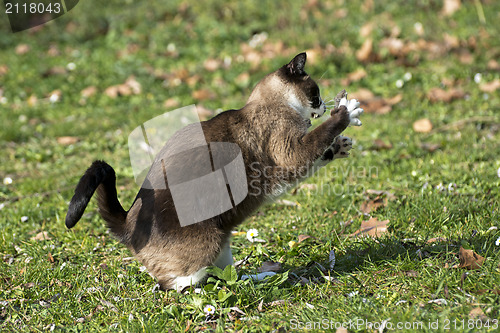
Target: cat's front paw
column 341, row 147
column 353, row 109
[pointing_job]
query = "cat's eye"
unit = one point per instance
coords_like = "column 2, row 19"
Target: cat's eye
column 316, row 102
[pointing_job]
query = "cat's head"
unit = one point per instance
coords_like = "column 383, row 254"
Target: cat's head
column 292, row 86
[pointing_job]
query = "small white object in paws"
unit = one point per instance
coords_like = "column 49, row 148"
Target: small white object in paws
column 354, row 110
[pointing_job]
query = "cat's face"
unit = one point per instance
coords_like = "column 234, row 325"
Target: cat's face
column 302, row 93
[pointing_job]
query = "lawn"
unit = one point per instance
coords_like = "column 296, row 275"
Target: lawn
column 424, row 172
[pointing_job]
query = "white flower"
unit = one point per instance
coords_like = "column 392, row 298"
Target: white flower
column 407, row 76
column 71, row 66
column 8, row 180
column 54, row 98
column 498, row 172
column 497, row 243
column 3, row 100
column 400, row 83
column 209, row 309
column 354, row 110
column 24, row 218
column 252, row 234
column 478, row 77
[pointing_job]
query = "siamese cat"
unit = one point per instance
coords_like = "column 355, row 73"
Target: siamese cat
column 278, row 151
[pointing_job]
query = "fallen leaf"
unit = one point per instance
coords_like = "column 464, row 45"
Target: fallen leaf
column 372, row 205
column 490, row 87
column 430, row 147
column 379, row 144
column 492, row 64
column 387, row 194
column 67, row 140
column 171, row 103
column 438, row 301
column 43, row 235
column 211, row 65
column 88, row 92
column 3, row 70
column 204, row 113
column 56, row 70
column 269, row 266
column 354, row 77
column 32, row 100
column 202, row 94
column 22, row 49
column 303, row 238
column 287, row 203
column 450, row 7
column 435, row 240
column 365, row 53
column 50, row 258
column 373, row 227
column 441, row 95
column 422, row 125
column 477, row 313
column 469, row 259
column 133, row 84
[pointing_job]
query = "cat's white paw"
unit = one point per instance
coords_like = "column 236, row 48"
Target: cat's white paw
column 354, row 110
column 341, row 147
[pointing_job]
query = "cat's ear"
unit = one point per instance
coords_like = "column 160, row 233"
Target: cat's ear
column 296, row 66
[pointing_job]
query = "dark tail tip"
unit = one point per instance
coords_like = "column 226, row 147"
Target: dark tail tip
column 98, row 172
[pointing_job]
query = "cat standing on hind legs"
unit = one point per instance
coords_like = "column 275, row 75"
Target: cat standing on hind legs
column 271, row 131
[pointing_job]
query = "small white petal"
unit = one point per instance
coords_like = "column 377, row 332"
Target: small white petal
column 24, row 218
column 8, row 180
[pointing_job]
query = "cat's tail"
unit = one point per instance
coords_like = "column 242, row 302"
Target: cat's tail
column 100, row 176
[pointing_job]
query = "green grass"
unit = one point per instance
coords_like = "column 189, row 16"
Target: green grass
column 78, row 280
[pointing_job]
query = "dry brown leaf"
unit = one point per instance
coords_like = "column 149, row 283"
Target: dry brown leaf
column 3, row 70
column 441, row 95
column 269, row 266
column 379, row 144
column 56, row 70
column 171, row 103
column 372, row 205
column 88, row 92
column 133, row 84
column 387, row 194
column 341, row 330
column 50, row 258
column 435, row 240
column 374, row 104
column 422, row 126
column 211, row 65
column 366, row 29
column 490, row 87
column 430, row 147
column 22, row 49
column 469, row 259
column 111, row 92
column 304, row 237
column 365, row 53
column 492, row 64
column 67, row 140
column 477, row 313
column 43, row 235
column 204, row 113
column 373, row 227
column 450, row 7
column 243, row 79
column 202, row 94
column 32, row 100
